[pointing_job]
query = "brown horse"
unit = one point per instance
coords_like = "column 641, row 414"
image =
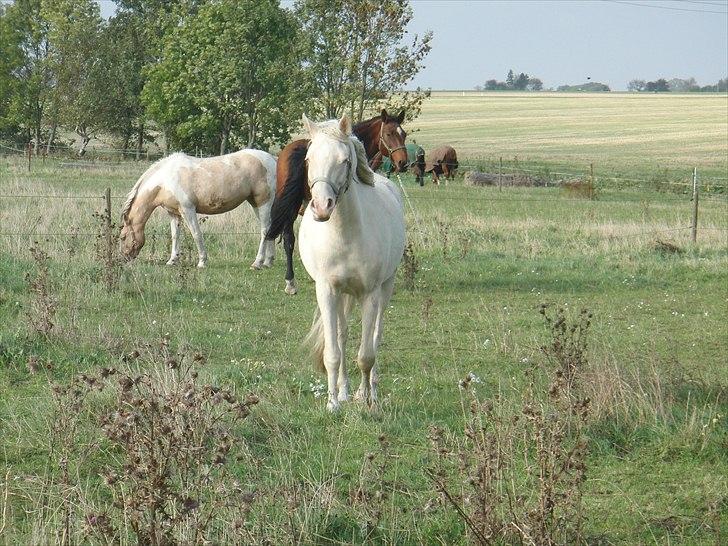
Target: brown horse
column 381, row 135
column 442, row 161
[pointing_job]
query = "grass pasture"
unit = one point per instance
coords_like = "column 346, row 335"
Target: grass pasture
column 657, row 371
column 623, row 134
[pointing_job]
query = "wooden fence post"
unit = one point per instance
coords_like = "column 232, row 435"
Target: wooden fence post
column 694, row 226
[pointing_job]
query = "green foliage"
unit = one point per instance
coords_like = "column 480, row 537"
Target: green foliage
column 588, row 87
column 522, row 82
column 74, row 60
column 356, row 58
column 204, row 95
column 26, row 77
column 123, row 55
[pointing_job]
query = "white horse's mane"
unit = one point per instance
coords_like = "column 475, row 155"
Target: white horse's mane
column 331, row 129
column 135, row 189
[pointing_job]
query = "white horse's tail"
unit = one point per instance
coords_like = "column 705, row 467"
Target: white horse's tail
column 315, row 338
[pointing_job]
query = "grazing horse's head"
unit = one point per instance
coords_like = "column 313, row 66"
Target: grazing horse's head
column 391, row 140
column 131, row 239
column 332, row 159
column 132, row 231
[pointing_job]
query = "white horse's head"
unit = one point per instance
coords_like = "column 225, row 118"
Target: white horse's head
column 330, row 162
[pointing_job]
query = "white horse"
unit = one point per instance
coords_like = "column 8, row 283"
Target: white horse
column 351, row 241
column 186, row 185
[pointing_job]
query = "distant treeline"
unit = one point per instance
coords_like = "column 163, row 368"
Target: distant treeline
column 520, row 82
column 676, row 85
column 524, row 82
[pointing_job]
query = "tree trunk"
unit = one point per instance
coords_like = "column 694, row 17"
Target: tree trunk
column 36, row 144
column 125, row 143
column 252, row 132
column 140, row 141
column 51, row 137
column 362, row 93
column 85, row 139
column 224, row 140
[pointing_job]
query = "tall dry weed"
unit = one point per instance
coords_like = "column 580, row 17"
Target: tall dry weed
column 516, row 474
column 43, row 304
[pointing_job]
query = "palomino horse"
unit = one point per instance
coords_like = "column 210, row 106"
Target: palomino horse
column 186, row 185
column 382, row 136
column 351, row 241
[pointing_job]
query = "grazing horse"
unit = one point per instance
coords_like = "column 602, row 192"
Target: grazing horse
column 351, row 241
column 186, row 185
column 442, row 161
column 382, row 136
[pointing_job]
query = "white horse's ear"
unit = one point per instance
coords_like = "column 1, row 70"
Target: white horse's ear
column 345, row 125
column 308, row 125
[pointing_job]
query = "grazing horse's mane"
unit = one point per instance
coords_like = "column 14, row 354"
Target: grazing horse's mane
column 133, row 193
column 363, row 173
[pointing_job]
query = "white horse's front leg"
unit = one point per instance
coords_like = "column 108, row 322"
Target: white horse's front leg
column 175, row 229
column 386, row 294
column 328, row 303
column 190, row 217
column 343, row 326
column 367, row 349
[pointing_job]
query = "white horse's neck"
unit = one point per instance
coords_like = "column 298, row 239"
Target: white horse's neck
column 143, row 204
column 347, row 219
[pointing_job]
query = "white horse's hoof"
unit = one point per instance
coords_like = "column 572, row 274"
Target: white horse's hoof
column 291, row 289
column 201, row 265
column 267, row 264
column 333, row 406
column 255, row 266
column 172, row 262
column 343, row 397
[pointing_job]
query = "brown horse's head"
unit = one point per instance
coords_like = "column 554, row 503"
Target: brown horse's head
column 131, row 237
column 391, row 140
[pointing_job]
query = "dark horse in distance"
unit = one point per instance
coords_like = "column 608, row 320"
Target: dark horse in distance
column 381, row 135
column 442, row 161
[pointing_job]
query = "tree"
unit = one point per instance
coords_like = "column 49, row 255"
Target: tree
column 521, row 82
column 636, row 85
column 123, row 57
column 30, row 80
column 11, row 59
column 678, row 85
column 658, row 86
column 74, row 32
column 228, row 76
column 722, row 85
column 357, row 57
column 510, row 79
column 534, row 84
column 492, row 85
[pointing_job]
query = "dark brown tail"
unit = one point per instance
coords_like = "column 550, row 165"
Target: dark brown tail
column 291, row 174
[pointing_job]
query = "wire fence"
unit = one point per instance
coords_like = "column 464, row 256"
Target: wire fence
column 444, row 193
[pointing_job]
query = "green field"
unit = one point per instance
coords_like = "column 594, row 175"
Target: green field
column 623, row 133
column 656, row 367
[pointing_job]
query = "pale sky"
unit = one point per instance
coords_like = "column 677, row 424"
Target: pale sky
column 566, row 41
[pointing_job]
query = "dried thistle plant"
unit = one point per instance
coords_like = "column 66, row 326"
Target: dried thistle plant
column 516, row 475
column 43, row 305
column 106, row 249
column 174, row 438
column 410, row 266
column 370, row 495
